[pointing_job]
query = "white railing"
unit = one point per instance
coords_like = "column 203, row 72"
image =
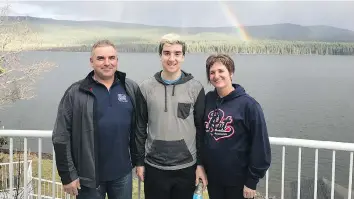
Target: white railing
column 18, row 172
column 314, row 144
column 38, row 182
column 55, row 191
column 46, row 186
column 283, row 142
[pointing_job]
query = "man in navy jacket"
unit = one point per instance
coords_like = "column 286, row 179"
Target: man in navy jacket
column 94, row 131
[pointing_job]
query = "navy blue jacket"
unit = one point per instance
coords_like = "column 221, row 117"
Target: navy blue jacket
column 236, row 148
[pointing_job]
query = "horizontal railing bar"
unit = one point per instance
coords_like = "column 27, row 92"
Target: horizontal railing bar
column 18, row 162
column 44, row 180
column 315, row 144
column 49, row 197
column 26, row 133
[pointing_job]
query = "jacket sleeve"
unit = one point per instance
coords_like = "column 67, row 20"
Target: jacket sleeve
column 260, row 154
column 198, row 112
column 141, row 131
column 61, row 139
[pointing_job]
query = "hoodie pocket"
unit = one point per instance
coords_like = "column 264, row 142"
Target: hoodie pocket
column 183, row 110
column 169, row 153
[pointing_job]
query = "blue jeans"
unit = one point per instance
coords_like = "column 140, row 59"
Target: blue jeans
column 115, row 189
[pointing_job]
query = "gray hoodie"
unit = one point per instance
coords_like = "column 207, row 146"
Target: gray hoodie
column 170, row 122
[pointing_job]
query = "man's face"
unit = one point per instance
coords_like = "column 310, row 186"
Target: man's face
column 104, row 62
column 172, row 57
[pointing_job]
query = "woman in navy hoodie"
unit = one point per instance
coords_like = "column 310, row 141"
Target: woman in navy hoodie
column 236, row 149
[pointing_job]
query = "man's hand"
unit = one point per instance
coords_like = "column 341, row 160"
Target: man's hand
column 200, row 174
column 73, row 187
column 248, row 193
column 140, row 170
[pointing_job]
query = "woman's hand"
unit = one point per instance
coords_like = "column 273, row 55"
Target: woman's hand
column 248, row 193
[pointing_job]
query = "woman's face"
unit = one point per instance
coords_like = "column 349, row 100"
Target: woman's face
column 219, row 76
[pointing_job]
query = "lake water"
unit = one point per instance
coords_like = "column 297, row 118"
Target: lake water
column 308, row 97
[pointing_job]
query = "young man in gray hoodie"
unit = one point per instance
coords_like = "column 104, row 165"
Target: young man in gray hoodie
column 170, row 127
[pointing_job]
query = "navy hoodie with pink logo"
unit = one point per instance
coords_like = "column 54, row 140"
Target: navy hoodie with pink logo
column 236, row 143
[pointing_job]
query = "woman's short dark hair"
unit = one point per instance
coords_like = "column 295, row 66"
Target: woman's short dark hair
column 225, row 59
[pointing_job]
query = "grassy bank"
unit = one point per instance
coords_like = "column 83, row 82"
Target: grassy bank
column 46, row 167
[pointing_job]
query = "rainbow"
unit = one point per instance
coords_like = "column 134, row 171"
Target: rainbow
column 231, row 16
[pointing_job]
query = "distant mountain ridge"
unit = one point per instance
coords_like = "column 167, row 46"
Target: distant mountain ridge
column 276, row 39
column 285, row 31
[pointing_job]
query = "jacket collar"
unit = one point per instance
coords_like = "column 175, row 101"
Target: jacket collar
column 87, row 83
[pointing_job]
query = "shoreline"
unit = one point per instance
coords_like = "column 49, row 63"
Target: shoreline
column 256, row 47
column 264, row 49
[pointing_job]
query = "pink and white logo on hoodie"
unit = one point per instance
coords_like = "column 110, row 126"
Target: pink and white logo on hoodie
column 219, row 126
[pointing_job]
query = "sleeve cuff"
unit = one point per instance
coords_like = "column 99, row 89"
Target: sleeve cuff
column 140, row 163
column 68, row 177
column 199, row 161
column 251, row 183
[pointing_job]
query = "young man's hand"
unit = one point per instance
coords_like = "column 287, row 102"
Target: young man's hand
column 140, row 172
column 200, row 174
column 73, row 187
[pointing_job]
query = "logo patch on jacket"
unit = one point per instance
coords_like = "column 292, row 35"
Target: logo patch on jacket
column 122, row 98
column 218, row 126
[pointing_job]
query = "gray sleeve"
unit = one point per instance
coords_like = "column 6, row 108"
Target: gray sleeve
column 141, row 132
column 61, row 139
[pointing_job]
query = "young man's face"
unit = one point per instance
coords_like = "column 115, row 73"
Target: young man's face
column 172, row 57
column 104, row 62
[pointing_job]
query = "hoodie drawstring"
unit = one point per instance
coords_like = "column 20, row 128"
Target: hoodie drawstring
column 173, row 90
column 165, row 98
column 216, row 111
column 217, row 105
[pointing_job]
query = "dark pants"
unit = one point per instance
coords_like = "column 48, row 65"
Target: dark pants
column 115, row 189
column 217, row 191
column 163, row 184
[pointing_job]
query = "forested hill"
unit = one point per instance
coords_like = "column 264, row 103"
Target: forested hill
column 264, row 39
column 286, row 31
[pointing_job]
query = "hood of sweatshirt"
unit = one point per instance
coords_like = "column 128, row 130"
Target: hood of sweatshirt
column 238, row 92
column 185, row 77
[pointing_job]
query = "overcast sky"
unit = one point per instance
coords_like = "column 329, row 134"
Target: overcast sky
column 198, row 13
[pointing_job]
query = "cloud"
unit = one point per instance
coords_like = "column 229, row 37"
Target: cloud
column 196, row 13
column 24, row 9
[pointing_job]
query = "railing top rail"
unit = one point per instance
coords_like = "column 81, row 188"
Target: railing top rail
column 316, row 144
column 26, row 133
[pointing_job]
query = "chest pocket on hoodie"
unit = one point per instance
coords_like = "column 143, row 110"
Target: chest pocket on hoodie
column 183, row 110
